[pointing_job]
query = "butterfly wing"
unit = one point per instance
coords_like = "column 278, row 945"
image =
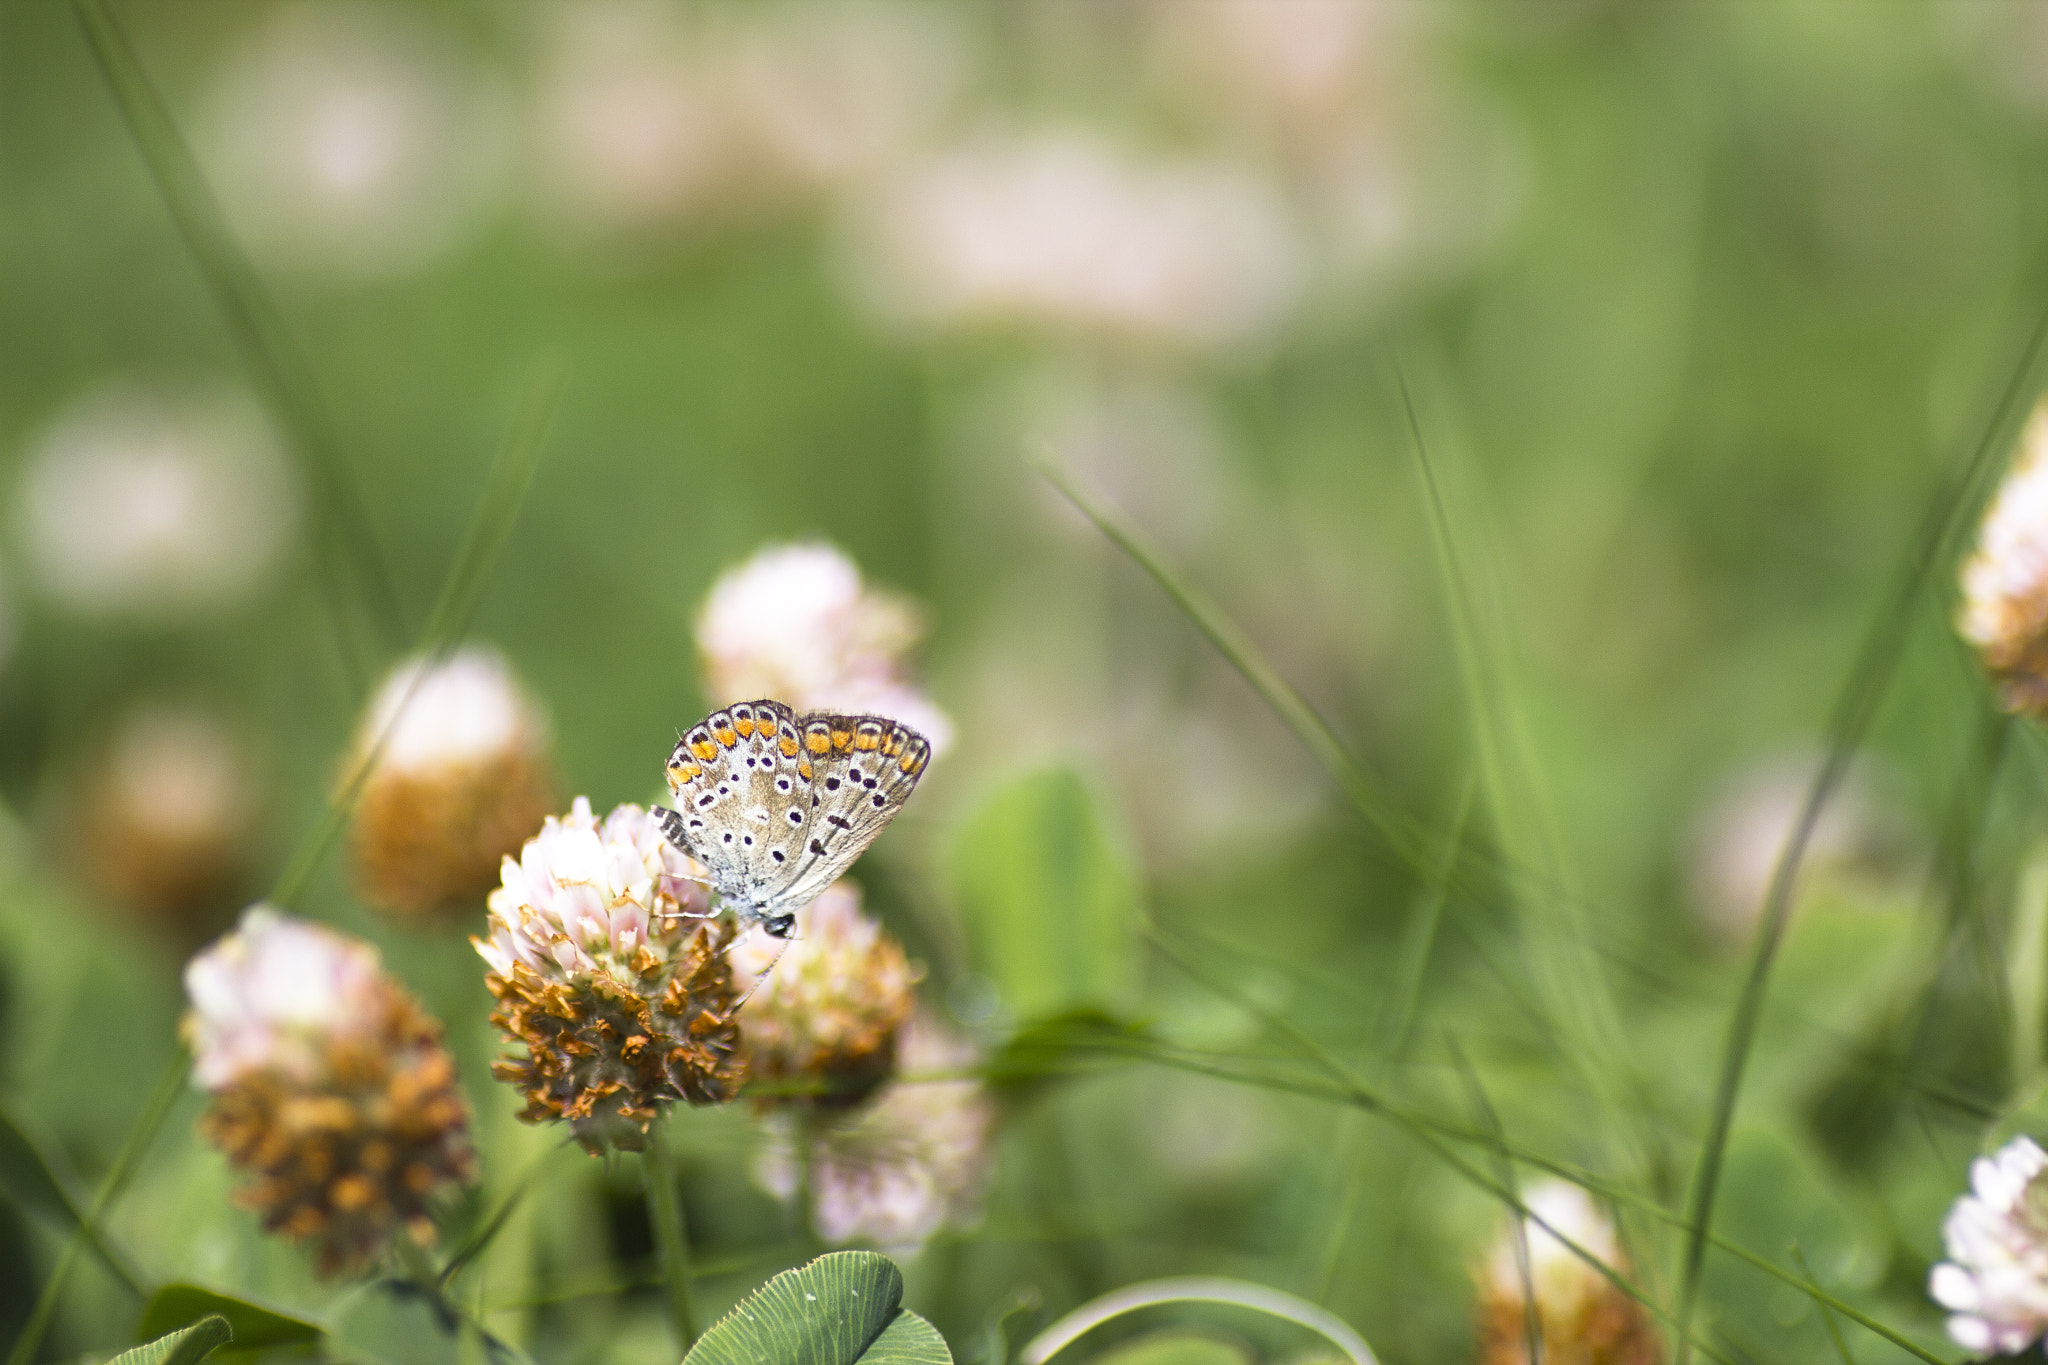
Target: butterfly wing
column 863, row 769
column 777, row 805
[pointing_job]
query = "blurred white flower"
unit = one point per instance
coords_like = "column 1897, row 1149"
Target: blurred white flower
column 649, row 119
column 1395, row 170
column 2004, row 611
column 608, row 975
column 1561, row 1280
column 1066, row 232
column 328, row 1085
column 1584, row 1317
column 827, row 91
column 1995, row 1280
column 465, row 708
column 797, row 624
column 907, row 1163
column 154, row 500
column 1741, row 832
column 354, row 136
column 460, row 781
column 628, row 120
column 167, row 811
column 1296, row 63
column 830, row 1011
column 274, row 994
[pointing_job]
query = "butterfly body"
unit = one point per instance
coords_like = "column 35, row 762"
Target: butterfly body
column 776, row 804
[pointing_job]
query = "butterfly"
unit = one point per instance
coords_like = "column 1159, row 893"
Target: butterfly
column 777, row 805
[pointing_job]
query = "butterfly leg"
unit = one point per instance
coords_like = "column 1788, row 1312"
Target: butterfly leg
column 763, row 977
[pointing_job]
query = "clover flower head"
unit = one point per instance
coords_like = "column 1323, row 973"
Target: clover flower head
column 649, row 121
column 351, row 136
column 610, row 976
column 153, row 500
column 799, row 624
column 831, row 1009
column 1062, row 232
column 328, row 1086
column 459, row 780
column 165, row 814
column 2004, row 611
column 893, row 1172
column 1584, row 1318
column 1995, row 1280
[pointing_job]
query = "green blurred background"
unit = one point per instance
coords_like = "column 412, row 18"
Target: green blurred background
column 1699, row 304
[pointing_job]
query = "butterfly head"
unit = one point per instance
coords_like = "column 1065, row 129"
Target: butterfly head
column 779, row 926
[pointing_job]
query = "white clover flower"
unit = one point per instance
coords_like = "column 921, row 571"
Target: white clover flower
column 1995, row 1280
column 1064, row 232
column 908, row 1163
column 329, row 1087
column 1561, row 1280
column 167, row 810
column 2004, row 611
column 274, row 994
column 1297, row 61
column 460, row 780
column 608, row 974
column 1583, row 1316
column 629, row 126
column 140, row 500
column 830, row 1010
column 585, row 896
column 824, row 93
column 648, row 121
column 351, row 135
column 797, row 624
column 1739, row 835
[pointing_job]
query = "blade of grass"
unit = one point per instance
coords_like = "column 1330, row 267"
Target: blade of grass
column 1854, row 712
column 671, row 1234
column 276, row 365
column 1827, row 1316
column 1569, row 975
column 495, row 1224
column 1532, row 1318
column 505, row 490
column 1415, row 953
column 1292, row 708
column 126, row 1161
column 1433, row 1133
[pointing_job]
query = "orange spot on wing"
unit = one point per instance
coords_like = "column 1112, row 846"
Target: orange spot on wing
column 867, row 742
column 842, row 740
column 745, row 727
column 803, row 769
column 705, row 750
column 765, row 725
column 788, row 745
column 911, row 762
column 817, row 741
column 725, row 737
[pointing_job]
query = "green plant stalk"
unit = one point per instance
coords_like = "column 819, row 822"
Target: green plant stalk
column 671, row 1235
column 1433, row 1133
column 161, row 1101
column 2027, row 969
column 1573, row 985
column 1292, row 708
column 257, row 327
column 505, row 490
column 1854, row 712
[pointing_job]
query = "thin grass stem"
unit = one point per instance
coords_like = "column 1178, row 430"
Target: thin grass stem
column 275, row 362
column 126, row 1161
column 671, row 1234
column 1854, row 712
